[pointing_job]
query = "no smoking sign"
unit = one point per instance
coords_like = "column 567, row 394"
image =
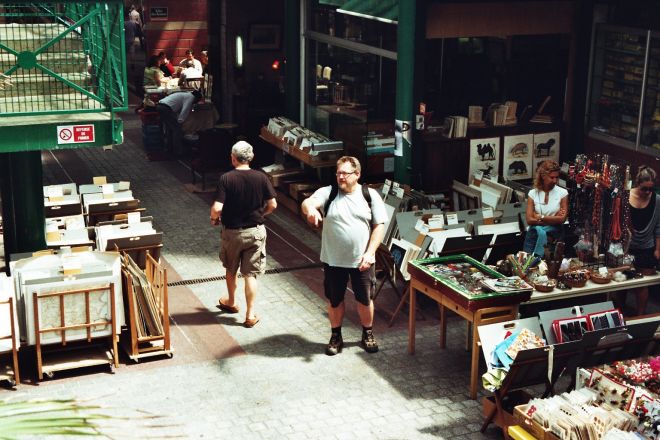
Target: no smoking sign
column 75, row 134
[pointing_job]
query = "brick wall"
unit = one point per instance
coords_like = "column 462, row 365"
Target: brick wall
column 186, row 27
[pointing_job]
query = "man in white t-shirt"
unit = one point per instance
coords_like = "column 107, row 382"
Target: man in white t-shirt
column 353, row 227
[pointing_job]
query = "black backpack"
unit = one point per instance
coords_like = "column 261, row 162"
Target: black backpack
column 335, row 190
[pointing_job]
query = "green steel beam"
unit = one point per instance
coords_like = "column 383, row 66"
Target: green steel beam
column 44, row 136
column 405, row 74
column 22, row 202
column 292, row 54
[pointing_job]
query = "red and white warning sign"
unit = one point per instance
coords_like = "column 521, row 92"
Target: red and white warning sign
column 75, row 134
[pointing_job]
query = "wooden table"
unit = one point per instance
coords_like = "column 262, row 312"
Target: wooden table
column 490, row 315
column 476, row 317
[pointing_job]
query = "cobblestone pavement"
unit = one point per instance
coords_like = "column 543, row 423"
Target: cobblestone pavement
column 272, row 381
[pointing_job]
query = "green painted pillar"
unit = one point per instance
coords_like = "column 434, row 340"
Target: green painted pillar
column 292, row 56
column 405, row 75
column 22, row 202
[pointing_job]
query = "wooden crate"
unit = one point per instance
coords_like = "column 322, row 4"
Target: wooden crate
column 530, row 425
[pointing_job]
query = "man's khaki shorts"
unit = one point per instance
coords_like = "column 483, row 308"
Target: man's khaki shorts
column 244, row 248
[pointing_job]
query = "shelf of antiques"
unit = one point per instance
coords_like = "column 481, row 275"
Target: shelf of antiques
column 147, row 307
column 311, row 148
column 477, row 293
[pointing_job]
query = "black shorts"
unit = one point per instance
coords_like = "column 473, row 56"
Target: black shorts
column 644, row 258
column 336, row 281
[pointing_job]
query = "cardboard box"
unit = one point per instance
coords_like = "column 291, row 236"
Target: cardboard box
column 296, row 188
column 505, row 418
column 276, row 177
column 286, row 201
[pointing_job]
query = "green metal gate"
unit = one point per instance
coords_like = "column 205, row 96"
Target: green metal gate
column 62, row 66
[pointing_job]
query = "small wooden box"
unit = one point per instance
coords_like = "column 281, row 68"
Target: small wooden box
column 278, row 176
column 511, row 400
column 530, row 425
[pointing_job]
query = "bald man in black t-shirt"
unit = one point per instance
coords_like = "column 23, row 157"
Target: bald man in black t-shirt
column 242, row 199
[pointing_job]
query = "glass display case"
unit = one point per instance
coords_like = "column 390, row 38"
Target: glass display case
column 623, row 97
column 470, row 283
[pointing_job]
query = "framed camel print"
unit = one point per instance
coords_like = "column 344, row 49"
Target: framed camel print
column 485, row 156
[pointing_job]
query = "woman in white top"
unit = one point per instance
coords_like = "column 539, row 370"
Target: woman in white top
column 547, row 207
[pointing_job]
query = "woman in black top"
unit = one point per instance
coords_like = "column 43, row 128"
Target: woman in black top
column 645, row 226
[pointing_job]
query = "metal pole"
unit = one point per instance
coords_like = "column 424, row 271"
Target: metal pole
column 405, row 73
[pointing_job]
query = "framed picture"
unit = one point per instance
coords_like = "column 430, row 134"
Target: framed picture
column 264, row 37
column 402, row 252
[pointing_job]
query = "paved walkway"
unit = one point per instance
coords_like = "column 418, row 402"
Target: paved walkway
column 272, row 381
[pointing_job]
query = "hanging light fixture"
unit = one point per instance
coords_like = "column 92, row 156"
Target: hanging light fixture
column 239, row 51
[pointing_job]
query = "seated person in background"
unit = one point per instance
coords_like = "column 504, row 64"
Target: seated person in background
column 547, row 208
column 166, row 65
column 204, row 59
column 153, row 76
column 190, row 62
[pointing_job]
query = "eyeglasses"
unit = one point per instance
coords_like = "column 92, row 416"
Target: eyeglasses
column 344, row 173
column 646, row 188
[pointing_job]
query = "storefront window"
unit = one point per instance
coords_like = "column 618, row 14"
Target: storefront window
column 347, row 87
column 616, row 88
column 350, row 73
column 624, row 70
column 369, row 22
column 651, row 118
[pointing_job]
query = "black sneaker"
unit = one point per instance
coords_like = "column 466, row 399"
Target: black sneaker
column 369, row 342
column 335, row 345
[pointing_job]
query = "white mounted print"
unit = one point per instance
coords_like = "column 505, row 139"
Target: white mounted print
column 484, row 156
column 517, row 160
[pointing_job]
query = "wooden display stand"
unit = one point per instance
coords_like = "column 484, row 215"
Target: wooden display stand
column 141, row 347
column 531, row 367
column 107, row 211
column 320, row 161
column 139, row 254
column 8, row 373
column 85, row 354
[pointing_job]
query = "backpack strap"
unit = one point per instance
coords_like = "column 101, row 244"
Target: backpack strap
column 335, row 190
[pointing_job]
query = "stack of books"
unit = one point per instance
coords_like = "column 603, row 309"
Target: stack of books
column 475, row 116
column 455, row 126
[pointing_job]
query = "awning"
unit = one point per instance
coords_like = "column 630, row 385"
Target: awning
column 381, row 10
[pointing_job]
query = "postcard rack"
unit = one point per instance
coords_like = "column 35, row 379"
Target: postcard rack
column 144, row 343
column 10, row 374
column 79, row 355
column 546, row 365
